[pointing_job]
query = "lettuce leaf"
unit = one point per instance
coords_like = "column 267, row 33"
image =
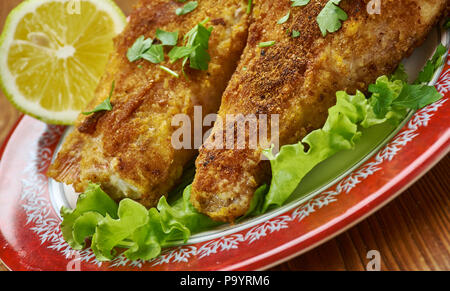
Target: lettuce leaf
column 93, row 201
column 390, row 101
column 129, row 226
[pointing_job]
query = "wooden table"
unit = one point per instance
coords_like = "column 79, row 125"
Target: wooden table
column 411, row 233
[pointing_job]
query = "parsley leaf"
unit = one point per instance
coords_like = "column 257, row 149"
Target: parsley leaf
column 145, row 49
column 300, row 2
column 331, row 17
column 105, row 105
column 416, row 96
column 166, row 69
column 195, row 48
column 295, row 33
column 155, row 54
column 167, row 38
column 284, row 18
column 199, row 35
column 180, row 52
column 188, row 7
column 199, row 59
column 426, row 75
column 249, row 6
column 386, row 98
column 266, row 43
column 400, row 74
column 140, row 46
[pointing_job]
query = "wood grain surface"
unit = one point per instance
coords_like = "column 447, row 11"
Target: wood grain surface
column 411, row 233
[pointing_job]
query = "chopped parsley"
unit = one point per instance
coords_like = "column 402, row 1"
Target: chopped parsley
column 195, row 48
column 140, row 46
column 331, row 17
column 284, row 18
column 426, row 75
column 143, row 48
column 249, row 6
column 180, row 52
column 166, row 69
column 295, row 33
column 297, row 3
column 196, row 44
column 266, row 43
column 400, row 74
column 416, row 97
column 105, row 105
column 167, row 38
column 188, row 7
column 155, row 54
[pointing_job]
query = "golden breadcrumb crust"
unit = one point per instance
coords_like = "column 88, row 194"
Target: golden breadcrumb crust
column 128, row 150
column 298, row 78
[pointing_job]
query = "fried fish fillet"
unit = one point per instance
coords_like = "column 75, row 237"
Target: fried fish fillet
column 298, row 78
column 128, row 150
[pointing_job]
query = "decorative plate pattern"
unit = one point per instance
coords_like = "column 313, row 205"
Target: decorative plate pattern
column 30, row 238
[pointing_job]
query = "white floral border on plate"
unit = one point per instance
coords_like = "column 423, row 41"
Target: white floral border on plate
column 38, row 208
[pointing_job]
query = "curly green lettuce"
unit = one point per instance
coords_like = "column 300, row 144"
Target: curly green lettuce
column 390, row 102
column 129, row 226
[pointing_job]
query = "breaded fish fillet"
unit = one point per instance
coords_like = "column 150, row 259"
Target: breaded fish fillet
column 128, row 150
column 298, row 78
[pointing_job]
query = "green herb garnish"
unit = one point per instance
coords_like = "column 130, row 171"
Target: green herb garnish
column 426, row 75
column 166, row 69
column 166, row 37
column 180, row 52
column 295, row 33
column 400, row 74
column 195, row 48
column 188, row 7
column 155, row 54
column 284, row 18
column 145, row 49
column 266, row 43
column 249, row 6
column 331, row 17
column 300, row 2
column 140, row 46
column 105, row 105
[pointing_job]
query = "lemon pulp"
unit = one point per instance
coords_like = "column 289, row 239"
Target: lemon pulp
column 52, row 56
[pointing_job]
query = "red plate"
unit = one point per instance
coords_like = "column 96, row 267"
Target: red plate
column 30, row 238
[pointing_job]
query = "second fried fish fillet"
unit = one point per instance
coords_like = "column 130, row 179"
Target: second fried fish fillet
column 297, row 78
column 128, row 150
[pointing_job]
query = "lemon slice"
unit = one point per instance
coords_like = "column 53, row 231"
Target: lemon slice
column 53, row 53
